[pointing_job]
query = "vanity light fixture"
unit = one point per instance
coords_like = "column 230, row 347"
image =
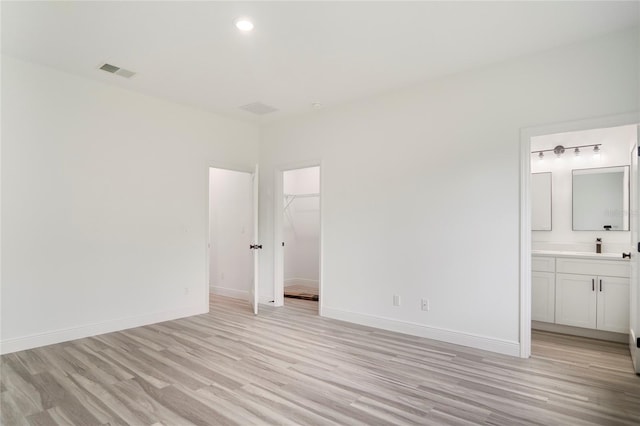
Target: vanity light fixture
column 559, row 150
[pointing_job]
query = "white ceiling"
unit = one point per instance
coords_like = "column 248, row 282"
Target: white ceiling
column 299, row 52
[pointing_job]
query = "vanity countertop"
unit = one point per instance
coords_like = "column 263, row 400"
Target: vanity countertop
column 579, row 254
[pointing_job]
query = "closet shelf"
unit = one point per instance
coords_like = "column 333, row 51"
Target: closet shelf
column 289, row 198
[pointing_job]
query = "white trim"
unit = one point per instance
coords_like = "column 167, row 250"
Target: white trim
column 635, row 352
column 278, row 226
column 230, row 292
column 73, row 333
column 525, row 215
column 525, row 244
column 506, row 347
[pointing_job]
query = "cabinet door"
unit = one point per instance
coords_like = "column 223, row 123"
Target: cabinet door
column 576, row 300
column 613, row 304
column 543, row 296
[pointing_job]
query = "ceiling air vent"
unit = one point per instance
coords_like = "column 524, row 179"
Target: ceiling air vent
column 117, row 70
column 259, row 108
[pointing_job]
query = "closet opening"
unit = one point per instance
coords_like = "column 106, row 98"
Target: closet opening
column 300, row 242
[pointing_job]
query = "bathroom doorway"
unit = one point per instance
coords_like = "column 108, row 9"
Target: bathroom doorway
column 298, row 243
column 559, row 242
column 232, row 256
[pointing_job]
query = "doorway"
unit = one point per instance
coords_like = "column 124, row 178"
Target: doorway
column 551, row 223
column 299, row 240
column 232, row 247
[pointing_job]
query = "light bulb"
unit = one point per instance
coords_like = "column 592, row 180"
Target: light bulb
column 244, row 24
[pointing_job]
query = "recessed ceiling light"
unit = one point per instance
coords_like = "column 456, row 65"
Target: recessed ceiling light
column 316, row 105
column 244, row 24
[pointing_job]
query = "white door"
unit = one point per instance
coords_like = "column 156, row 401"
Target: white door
column 543, row 296
column 231, row 219
column 256, row 247
column 634, row 290
column 576, row 300
column 613, row 304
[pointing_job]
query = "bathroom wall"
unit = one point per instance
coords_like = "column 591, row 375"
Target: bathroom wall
column 617, row 144
column 301, row 229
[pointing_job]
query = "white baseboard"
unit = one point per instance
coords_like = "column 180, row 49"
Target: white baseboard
column 230, row 292
column 635, row 350
column 579, row 331
column 64, row 335
column 301, row 281
column 506, row 347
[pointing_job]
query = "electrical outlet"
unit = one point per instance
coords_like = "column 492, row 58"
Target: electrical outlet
column 221, row 276
column 186, row 291
column 396, row 300
column 424, row 304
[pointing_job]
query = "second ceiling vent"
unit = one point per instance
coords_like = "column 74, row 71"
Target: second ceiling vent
column 259, row 108
column 117, row 70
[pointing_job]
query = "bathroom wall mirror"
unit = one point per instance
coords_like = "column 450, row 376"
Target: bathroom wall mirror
column 601, row 199
column 541, row 201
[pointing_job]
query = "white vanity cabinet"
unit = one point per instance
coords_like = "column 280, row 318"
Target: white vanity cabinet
column 543, row 289
column 587, row 293
column 593, row 294
column 576, row 301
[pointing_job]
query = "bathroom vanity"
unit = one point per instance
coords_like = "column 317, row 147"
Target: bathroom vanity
column 573, row 291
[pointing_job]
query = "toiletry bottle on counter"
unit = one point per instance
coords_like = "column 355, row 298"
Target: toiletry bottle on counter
column 598, row 245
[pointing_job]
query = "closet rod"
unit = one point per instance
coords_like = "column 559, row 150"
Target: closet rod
column 315, row 194
column 289, row 198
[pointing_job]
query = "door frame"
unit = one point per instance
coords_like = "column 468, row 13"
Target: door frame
column 223, row 166
column 526, row 134
column 278, row 230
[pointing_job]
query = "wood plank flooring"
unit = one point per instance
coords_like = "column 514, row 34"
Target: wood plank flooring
column 288, row 366
column 299, row 291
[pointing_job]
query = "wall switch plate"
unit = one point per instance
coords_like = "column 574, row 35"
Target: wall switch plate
column 396, row 300
column 424, row 304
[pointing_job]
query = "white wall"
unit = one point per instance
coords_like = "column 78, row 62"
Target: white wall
column 301, row 227
column 421, row 188
column 615, row 151
column 230, row 233
column 104, row 205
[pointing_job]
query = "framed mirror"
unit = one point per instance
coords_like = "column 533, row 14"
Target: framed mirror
column 601, row 199
column 541, row 201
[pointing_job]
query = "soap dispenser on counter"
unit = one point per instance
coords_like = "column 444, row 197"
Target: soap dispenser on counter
column 598, row 245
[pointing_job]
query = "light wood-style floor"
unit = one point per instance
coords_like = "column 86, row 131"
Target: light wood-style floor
column 290, row 366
